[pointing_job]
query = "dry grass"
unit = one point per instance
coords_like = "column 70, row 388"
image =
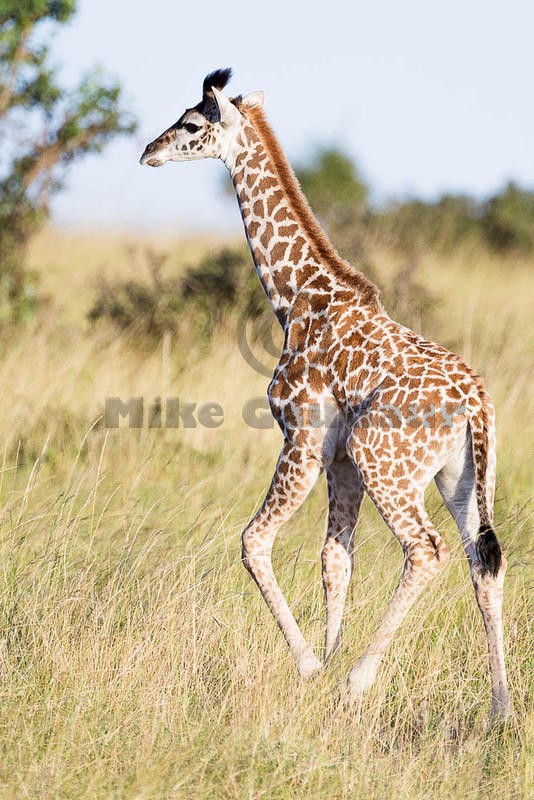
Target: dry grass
column 138, row 659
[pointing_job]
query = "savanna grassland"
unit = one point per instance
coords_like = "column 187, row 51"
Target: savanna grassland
column 138, row 659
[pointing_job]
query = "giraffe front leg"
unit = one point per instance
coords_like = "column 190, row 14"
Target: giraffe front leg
column 296, row 472
column 345, row 492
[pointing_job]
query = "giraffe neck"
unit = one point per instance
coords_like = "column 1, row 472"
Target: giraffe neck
column 289, row 248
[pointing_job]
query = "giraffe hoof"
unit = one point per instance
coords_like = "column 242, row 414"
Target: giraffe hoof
column 348, row 695
column 308, row 663
column 361, row 678
column 500, row 711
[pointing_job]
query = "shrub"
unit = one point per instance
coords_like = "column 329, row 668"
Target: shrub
column 223, row 283
column 145, row 307
column 416, row 225
column 508, row 221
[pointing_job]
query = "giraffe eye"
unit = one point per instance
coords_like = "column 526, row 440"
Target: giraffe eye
column 191, row 127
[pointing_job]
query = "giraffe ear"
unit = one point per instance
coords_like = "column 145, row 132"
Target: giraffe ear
column 227, row 110
column 254, row 99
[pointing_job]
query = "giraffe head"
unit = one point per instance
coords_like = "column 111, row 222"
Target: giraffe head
column 208, row 130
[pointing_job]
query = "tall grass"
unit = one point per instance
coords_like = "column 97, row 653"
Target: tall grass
column 138, row 660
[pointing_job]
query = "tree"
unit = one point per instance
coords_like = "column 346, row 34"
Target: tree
column 509, row 220
column 415, row 226
column 44, row 128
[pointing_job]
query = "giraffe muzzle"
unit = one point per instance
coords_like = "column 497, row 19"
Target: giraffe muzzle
column 150, row 157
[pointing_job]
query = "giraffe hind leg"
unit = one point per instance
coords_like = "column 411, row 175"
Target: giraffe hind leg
column 425, row 554
column 456, row 484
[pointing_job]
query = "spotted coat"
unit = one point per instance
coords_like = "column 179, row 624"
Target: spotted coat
column 380, row 408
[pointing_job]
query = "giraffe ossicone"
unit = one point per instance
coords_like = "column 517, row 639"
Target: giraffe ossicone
column 343, row 351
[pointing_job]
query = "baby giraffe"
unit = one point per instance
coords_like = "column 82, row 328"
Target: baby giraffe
column 380, row 408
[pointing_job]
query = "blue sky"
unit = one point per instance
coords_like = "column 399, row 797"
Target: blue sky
column 427, row 97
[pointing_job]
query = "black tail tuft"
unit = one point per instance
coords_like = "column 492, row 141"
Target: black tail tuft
column 489, row 551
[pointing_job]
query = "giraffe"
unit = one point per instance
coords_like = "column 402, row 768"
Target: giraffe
column 379, row 408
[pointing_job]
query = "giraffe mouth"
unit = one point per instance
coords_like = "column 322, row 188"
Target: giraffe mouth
column 152, row 161
column 151, row 158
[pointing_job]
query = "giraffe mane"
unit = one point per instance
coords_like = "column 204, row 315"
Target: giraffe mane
column 319, row 241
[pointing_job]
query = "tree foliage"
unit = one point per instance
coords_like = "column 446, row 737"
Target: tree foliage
column 44, row 127
column 415, row 225
column 508, row 221
column 339, row 197
column 333, row 186
column 221, row 283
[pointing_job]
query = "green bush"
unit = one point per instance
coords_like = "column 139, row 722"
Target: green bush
column 145, row 307
column 508, row 221
column 333, row 187
column 339, row 198
column 224, row 280
column 223, row 283
column 416, row 225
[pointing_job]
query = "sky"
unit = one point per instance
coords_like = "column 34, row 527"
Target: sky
column 426, row 96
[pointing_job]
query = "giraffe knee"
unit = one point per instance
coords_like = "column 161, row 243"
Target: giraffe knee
column 436, row 554
column 426, row 559
column 253, row 551
column 439, row 553
column 246, row 550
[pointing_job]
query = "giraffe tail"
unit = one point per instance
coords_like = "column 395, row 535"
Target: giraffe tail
column 487, row 546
